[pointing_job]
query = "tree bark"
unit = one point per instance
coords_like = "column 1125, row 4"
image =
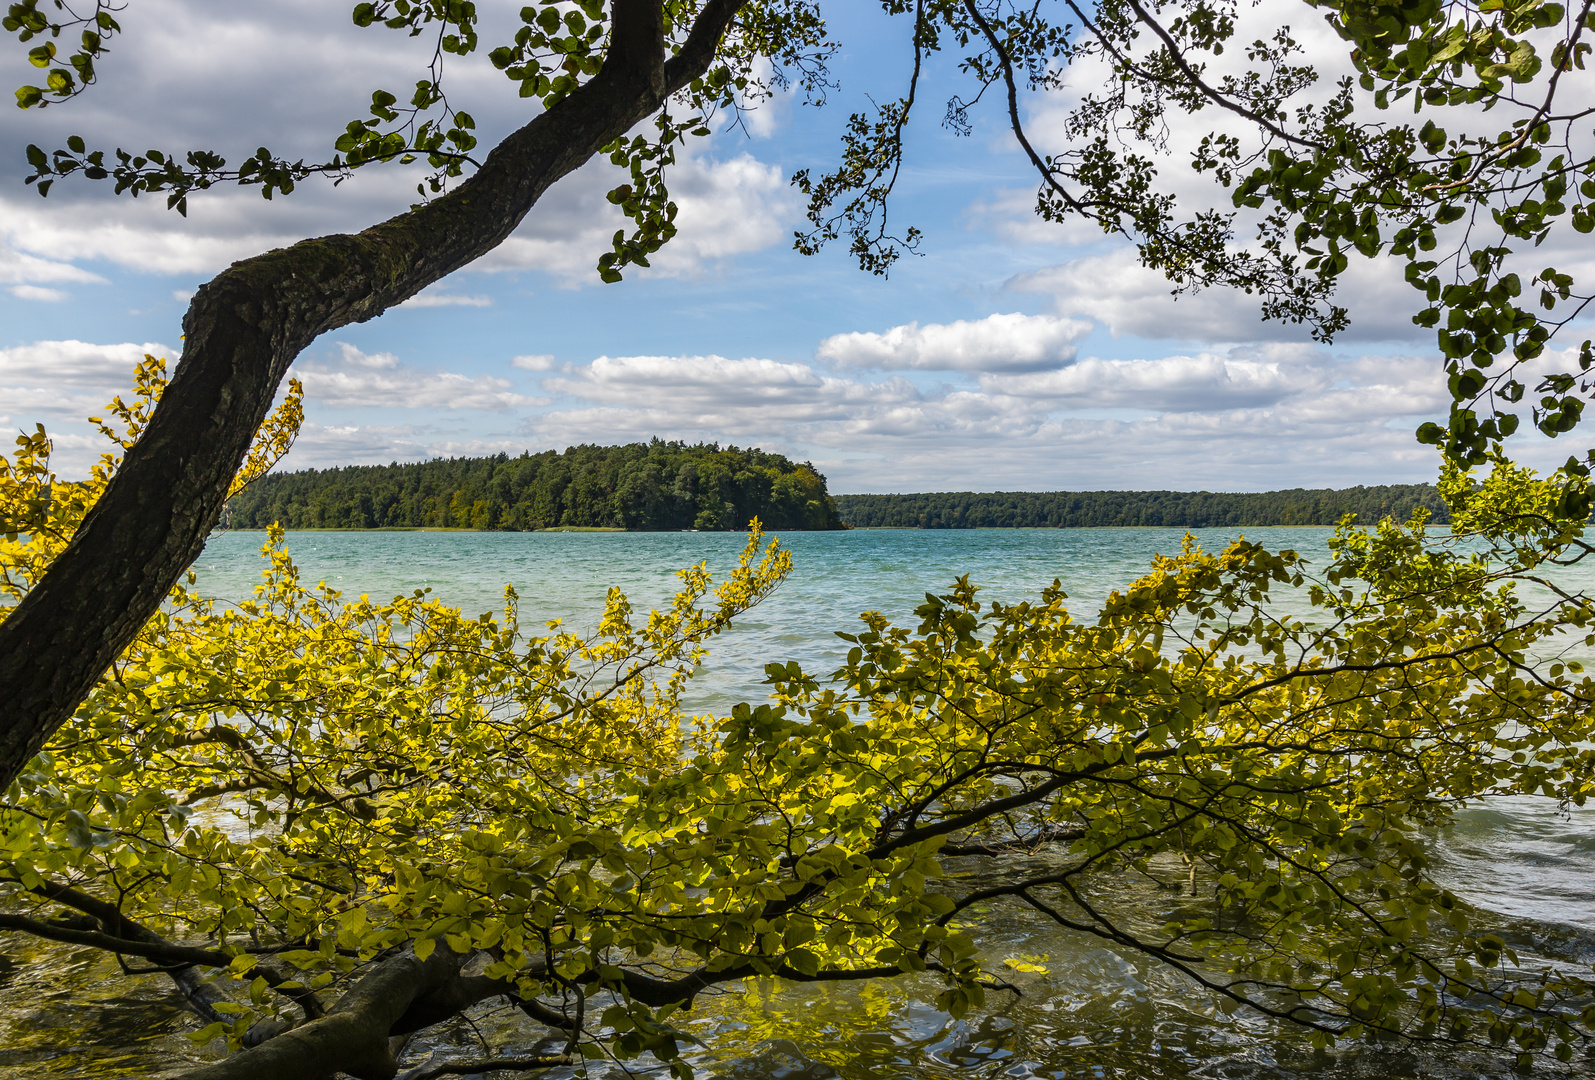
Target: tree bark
column 243, row 330
column 353, row 1037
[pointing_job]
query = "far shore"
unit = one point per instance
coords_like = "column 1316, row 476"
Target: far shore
column 850, row 528
column 449, row 529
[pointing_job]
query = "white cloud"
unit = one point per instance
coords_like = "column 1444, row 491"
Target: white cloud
column 25, row 274
column 222, row 225
column 1127, row 298
column 375, row 361
column 38, row 293
column 1012, row 342
column 59, row 383
column 225, row 77
column 58, row 365
column 379, row 380
column 740, row 396
column 1248, row 418
column 761, row 118
column 533, row 362
column 1114, row 289
column 439, row 299
column 1175, row 383
column 291, row 74
column 725, row 208
column 327, row 445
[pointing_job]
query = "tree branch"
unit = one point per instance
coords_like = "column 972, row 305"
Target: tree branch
column 1207, row 91
column 702, row 44
column 125, row 937
column 162, row 952
column 353, row 1036
column 243, row 330
column 1012, row 85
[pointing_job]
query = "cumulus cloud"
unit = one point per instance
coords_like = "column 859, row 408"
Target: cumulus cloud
column 739, row 396
column 38, row 293
column 379, row 380
column 1117, row 291
column 75, row 365
column 1246, row 418
column 1114, row 289
column 325, row 445
column 533, row 362
column 59, row 383
column 725, row 208
column 26, row 274
column 376, row 361
column 1174, row 383
column 194, row 75
column 1110, row 286
column 1012, row 342
column 223, row 225
column 443, row 299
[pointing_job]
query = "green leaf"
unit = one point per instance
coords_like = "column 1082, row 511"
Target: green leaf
column 803, row 961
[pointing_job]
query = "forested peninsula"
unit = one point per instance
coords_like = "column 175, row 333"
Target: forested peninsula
column 1183, row 509
column 640, row 486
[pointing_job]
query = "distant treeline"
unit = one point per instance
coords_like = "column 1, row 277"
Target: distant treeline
column 1182, row 509
column 643, row 486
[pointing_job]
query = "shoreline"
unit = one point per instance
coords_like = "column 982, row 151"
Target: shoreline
column 726, row 532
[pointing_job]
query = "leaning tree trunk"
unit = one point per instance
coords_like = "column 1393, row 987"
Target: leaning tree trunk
column 397, row 996
column 243, row 330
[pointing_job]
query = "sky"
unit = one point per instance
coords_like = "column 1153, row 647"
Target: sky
column 1010, row 354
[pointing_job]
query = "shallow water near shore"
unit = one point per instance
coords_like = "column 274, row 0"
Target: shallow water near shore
column 1095, row 1013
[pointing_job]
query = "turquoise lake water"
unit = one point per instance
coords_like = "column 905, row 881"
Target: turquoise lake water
column 835, row 576
column 1097, row 1013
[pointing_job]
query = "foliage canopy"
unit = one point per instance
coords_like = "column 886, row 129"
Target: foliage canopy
column 333, row 793
column 1318, row 157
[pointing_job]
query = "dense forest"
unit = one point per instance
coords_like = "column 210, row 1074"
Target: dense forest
column 1185, row 509
column 671, row 485
column 653, row 486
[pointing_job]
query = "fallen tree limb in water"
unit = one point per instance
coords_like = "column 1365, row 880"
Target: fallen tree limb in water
column 400, row 994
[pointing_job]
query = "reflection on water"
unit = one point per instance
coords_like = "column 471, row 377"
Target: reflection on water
column 1095, row 1013
column 1525, row 858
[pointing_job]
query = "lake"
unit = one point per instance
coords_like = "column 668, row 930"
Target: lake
column 65, row 1012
